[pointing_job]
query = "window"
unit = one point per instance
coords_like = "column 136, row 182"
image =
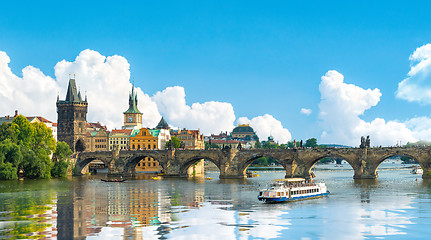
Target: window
column 149, row 146
column 154, row 146
column 154, row 164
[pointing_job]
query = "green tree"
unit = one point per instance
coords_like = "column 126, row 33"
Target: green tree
column 291, row 145
column 8, row 171
column 42, row 139
column 6, row 132
column 61, row 159
column 257, row 144
column 23, row 130
column 59, row 169
column 10, row 152
column 312, row 142
column 26, row 147
column 268, row 145
column 35, row 165
column 62, row 151
column 212, row 145
column 176, row 142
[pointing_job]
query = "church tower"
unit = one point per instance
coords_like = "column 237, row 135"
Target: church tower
column 132, row 117
column 72, row 118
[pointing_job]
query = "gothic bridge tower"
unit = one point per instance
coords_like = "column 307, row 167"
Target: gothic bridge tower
column 72, row 118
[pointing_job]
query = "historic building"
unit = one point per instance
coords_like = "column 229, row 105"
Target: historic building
column 120, row 139
column 72, row 118
column 133, row 117
column 97, row 137
column 243, row 131
column 144, row 139
column 162, row 124
column 150, row 139
column 192, row 139
column 97, row 140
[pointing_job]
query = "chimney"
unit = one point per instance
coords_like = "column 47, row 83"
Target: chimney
column 16, row 113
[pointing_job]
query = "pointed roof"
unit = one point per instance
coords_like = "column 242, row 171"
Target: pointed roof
column 162, row 124
column 72, row 93
column 133, row 102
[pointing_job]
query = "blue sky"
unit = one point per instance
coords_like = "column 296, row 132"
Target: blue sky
column 261, row 57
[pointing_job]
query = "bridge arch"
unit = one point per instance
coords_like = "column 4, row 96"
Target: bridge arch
column 385, row 157
column 83, row 163
column 130, row 163
column 242, row 169
column 310, row 164
column 193, row 160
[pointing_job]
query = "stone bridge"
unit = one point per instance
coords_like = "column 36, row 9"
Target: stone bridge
column 234, row 162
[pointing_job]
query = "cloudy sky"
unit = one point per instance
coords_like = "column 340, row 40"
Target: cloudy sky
column 331, row 70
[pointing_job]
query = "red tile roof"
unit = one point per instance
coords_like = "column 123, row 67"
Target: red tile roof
column 224, row 141
column 42, row 119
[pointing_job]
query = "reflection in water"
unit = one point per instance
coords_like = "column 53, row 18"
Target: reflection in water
column 142, row 208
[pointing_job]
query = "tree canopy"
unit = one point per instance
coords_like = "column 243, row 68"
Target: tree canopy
column 25, row 148
column 312, row 142
column 176, row 142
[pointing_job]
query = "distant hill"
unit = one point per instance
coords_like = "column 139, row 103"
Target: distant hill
column 419, row 143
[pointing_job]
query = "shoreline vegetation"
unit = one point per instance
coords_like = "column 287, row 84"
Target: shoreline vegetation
column 29, row 150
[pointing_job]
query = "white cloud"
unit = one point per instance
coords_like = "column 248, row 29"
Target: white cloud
column 267, row 125
column 33, row 94
column 209, row 117
column 340, row 107
column 306, row 111
column 106, row 82
column 417, row 86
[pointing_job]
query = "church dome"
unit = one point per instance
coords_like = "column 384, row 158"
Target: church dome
column 243, row 129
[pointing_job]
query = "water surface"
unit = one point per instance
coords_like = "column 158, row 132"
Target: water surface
column 397, row 205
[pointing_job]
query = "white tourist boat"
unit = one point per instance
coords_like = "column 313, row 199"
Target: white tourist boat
column 417, row 170
column 292, row 189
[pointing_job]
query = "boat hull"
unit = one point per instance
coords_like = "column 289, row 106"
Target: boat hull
column 286, row 199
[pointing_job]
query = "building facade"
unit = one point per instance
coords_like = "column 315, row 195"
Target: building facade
column 120, row 139
column 144, row 139
column 192, row 139
column 97, row 140
column 72, row 118
column 243, row 131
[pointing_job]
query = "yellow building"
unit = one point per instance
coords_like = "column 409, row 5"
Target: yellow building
column 119, row 139
column 193, row 139
column 144, row 139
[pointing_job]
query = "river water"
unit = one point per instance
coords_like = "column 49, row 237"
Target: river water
column 397, row 205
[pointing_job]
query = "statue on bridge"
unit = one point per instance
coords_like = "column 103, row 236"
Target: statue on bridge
column 365, row 143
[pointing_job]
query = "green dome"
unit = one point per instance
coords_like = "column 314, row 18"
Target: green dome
column 243, row 129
